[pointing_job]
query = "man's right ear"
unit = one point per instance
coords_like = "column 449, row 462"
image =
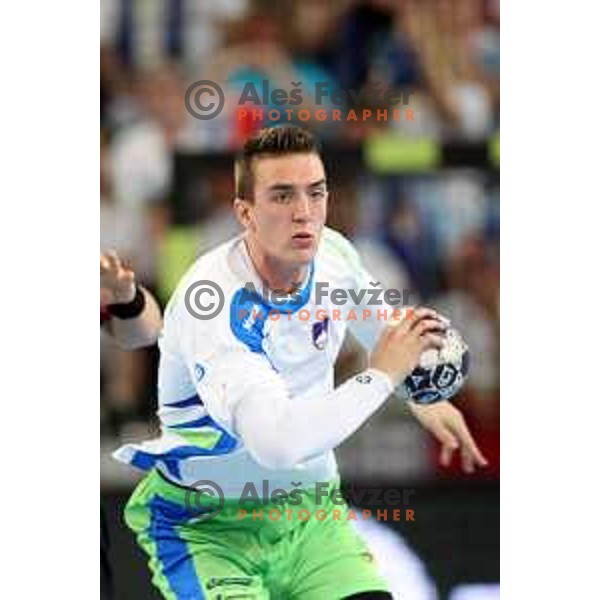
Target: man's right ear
column 241, row 207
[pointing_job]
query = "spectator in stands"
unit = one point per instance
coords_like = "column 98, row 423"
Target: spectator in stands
column 457, row 94
column 257, row 51
column 141, row 164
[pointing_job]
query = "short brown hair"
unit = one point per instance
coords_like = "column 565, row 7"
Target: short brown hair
column 271, row 141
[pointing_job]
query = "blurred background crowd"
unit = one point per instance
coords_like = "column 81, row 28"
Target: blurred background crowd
column 424, row 221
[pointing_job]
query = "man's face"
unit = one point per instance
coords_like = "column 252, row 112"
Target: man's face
column 289, row 209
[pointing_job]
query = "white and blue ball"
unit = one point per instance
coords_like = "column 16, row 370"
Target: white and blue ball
column 440, row 373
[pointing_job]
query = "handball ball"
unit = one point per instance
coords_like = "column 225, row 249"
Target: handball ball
column 441, row 373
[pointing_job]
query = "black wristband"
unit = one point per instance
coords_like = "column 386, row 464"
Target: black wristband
column 132, row 309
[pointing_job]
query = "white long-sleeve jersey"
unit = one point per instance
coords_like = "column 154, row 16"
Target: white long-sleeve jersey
column 248, row 395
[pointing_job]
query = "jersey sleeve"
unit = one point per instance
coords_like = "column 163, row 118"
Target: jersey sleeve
column 243, row 393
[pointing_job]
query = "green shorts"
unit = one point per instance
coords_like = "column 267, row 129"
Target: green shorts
column 247, row 552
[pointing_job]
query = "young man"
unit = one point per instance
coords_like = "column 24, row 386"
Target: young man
column 247, row 398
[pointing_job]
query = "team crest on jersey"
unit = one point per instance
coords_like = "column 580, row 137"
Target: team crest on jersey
column 320, row 333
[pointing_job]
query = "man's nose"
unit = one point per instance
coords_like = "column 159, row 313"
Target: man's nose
column 302, row 208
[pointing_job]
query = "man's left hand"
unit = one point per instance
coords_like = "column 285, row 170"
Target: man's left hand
column 448, row 425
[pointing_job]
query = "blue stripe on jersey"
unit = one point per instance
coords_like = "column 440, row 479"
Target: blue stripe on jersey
column 247, row 317
column 249, row 311
column 143, row 460
column 194, row 400
column 171, row 551
column 226, row 441
column 147, row 460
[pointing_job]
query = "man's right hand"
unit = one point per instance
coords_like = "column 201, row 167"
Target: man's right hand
column 400, row 346
column 117, row 282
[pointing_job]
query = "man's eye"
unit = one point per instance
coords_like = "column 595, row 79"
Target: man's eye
column 283, row 197
column 318, row 194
